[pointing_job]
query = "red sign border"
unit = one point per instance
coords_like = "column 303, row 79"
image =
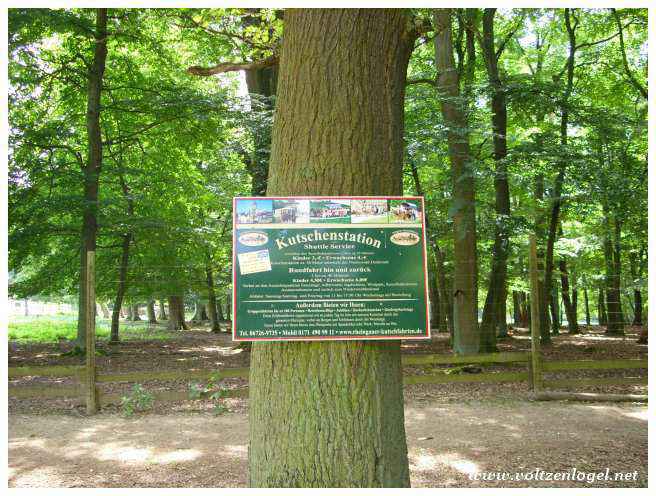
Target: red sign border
column 328, row 338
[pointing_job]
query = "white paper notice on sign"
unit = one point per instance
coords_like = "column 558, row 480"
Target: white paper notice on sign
column 254, row 261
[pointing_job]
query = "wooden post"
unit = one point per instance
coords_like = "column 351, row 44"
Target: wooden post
column 536, row 359
column 90, row 370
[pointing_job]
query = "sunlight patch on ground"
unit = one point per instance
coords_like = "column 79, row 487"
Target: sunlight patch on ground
column 39, row 477
column 637, row 414
column 426, row 460
column 185, row 455
column 124, row 454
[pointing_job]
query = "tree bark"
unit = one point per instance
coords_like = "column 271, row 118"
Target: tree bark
column 494, row 312
column 602, row 317
column 330, row 414
column 637, row 307
column 228, row 306
column 211, row 301
column 570, row 308
column 615, row 319
column 586, row 302
column 150, row 308
column 556, row 197
column 555, row 316
column 176, row 314
column 135, row 312
column 162, row 311
column 465, row 292
column 91, row 171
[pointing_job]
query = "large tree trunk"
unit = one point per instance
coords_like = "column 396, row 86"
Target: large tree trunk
column 465, row 293
column 91, row 171
column 330, row 414
column 176, row 314
column 211, row 301
column 120, row 290
column 494, row 311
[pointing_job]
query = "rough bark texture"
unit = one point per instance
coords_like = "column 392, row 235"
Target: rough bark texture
column 466, row 339
column 91, row 171
column 330, row 414
column 493, row 321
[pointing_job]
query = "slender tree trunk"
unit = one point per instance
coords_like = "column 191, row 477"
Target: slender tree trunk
column 555, row 318
column 211, row 301
column 91, row 170
column 228, row 306
column 587, row 306
column 570, row 308
column 336, row 418
column 162, row 311
column 637, row 307
column 615, row 323
column 602, row 316
column 150, row 308
column 120, row 290
column 516, row 308
column 465, row 293
column 494, row 311
column 556, row 197
column 219, row 309
column 130, row 313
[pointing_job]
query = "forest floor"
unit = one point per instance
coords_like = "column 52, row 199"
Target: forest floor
column 453, row 430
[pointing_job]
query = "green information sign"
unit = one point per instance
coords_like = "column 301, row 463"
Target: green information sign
column 317, row 268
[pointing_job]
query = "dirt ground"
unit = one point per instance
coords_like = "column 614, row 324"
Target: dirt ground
column 446, row 442
column 453, row 430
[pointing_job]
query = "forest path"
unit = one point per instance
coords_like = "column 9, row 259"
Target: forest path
column 446, row 443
